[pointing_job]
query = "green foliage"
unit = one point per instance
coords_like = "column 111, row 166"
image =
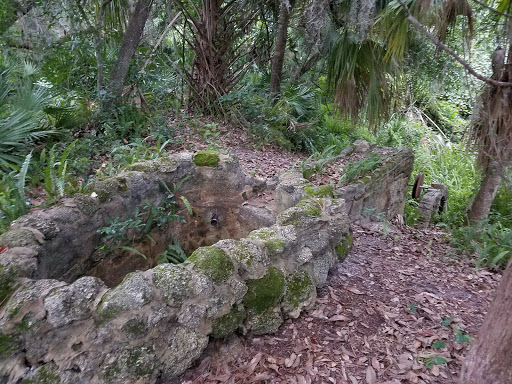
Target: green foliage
column 353, row 171
column 461, row 337
column 314, row 163
column 173, row 253
column 121, row 231
column 490, row 244
column 55, row 172
column 13, row 202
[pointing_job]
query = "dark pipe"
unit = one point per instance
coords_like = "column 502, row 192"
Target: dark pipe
column 215, row 219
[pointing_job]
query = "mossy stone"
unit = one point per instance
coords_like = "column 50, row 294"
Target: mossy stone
column 134, row 328
column 86, row 204
column 298, row 288
column 343, row 248
column 47, row 374
column 7, row 344
column 302, row 214
column 227, row 324
column 105, row 189
column 262, row 233
column 265, row 292
column 266, row 322
column 172, row 281
column 132, row 364
column 275, row 246
column 213, row 262
column 19, row 238
column 6, row 283
column 320, row 191
column 207, row 158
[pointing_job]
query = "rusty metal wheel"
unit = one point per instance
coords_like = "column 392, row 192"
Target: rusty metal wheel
column 416, row 188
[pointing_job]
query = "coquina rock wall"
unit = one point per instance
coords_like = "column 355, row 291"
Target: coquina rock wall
column 384, row 190
column 152, row 325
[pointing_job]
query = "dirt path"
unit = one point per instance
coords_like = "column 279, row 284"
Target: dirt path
column 398, row 310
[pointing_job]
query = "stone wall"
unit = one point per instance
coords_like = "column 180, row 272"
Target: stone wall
column 152, row 325
column 61, row 242
column 155, row 323
column 384, row 190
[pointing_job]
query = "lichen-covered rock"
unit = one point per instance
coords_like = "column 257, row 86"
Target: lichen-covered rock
column 321, row 191
column 172, row 281
column 321, row 265
column 22, row 237
column 229, row 323
column 31, row 291
column 133, row 293
column 179, row 347
column 265, row 292
column 343, row 248
column 303, row 215
column 161, row 165
column 213, row 262
column 45, row 374
column 300, row 293
column 40, row 221
column 135, row 328
column 131, row 364
column 289, row 190
column 106, row 189
column 72, row 302
column 264, row 322
column 207, row 158
column 252, row 262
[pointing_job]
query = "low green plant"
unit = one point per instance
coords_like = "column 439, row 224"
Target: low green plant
column 489, row 244
column 173, row 253
column 120, row 232
column 13, row 201
column 57, row 180
column 314, row 163
column 352, row 171
column 411, row 214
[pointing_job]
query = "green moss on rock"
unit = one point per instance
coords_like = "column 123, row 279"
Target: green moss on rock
column 265, row 292
column 265, row 322
column 262, row 233
column 213, row 262
column 47, row 374
column 131, row 365
column 207, row 158
column 298, row 288
column 343, row 248
column 172, row 281
column 105, row 189
column 275, row 246
column 227, row 324
column 7, row 344
column 320, row 191
column 134, row 328
column 6, row 283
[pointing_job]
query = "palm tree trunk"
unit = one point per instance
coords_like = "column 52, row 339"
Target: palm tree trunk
column 278, row 58
column 131, row 40
column 489, row 360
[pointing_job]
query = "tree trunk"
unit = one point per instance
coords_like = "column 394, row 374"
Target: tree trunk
column 278, row 58
column 483, row 200
column 131, row 40
column 489, row 360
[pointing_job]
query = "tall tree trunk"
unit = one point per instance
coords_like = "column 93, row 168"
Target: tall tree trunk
column 489, row 360
column 280, row 49
column 131, row 40
column 483, row 200
column 98, row 46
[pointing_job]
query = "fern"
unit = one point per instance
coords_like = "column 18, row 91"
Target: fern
column 22, row 176
column 187, row 205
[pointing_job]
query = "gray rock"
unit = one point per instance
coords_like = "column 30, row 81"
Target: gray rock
column 73, row 302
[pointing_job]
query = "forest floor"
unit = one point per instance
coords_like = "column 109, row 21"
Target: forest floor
column 402, row 308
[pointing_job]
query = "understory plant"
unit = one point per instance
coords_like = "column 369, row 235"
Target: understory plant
column 352, row 171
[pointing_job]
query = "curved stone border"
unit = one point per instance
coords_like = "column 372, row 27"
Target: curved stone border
column 155, row 323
